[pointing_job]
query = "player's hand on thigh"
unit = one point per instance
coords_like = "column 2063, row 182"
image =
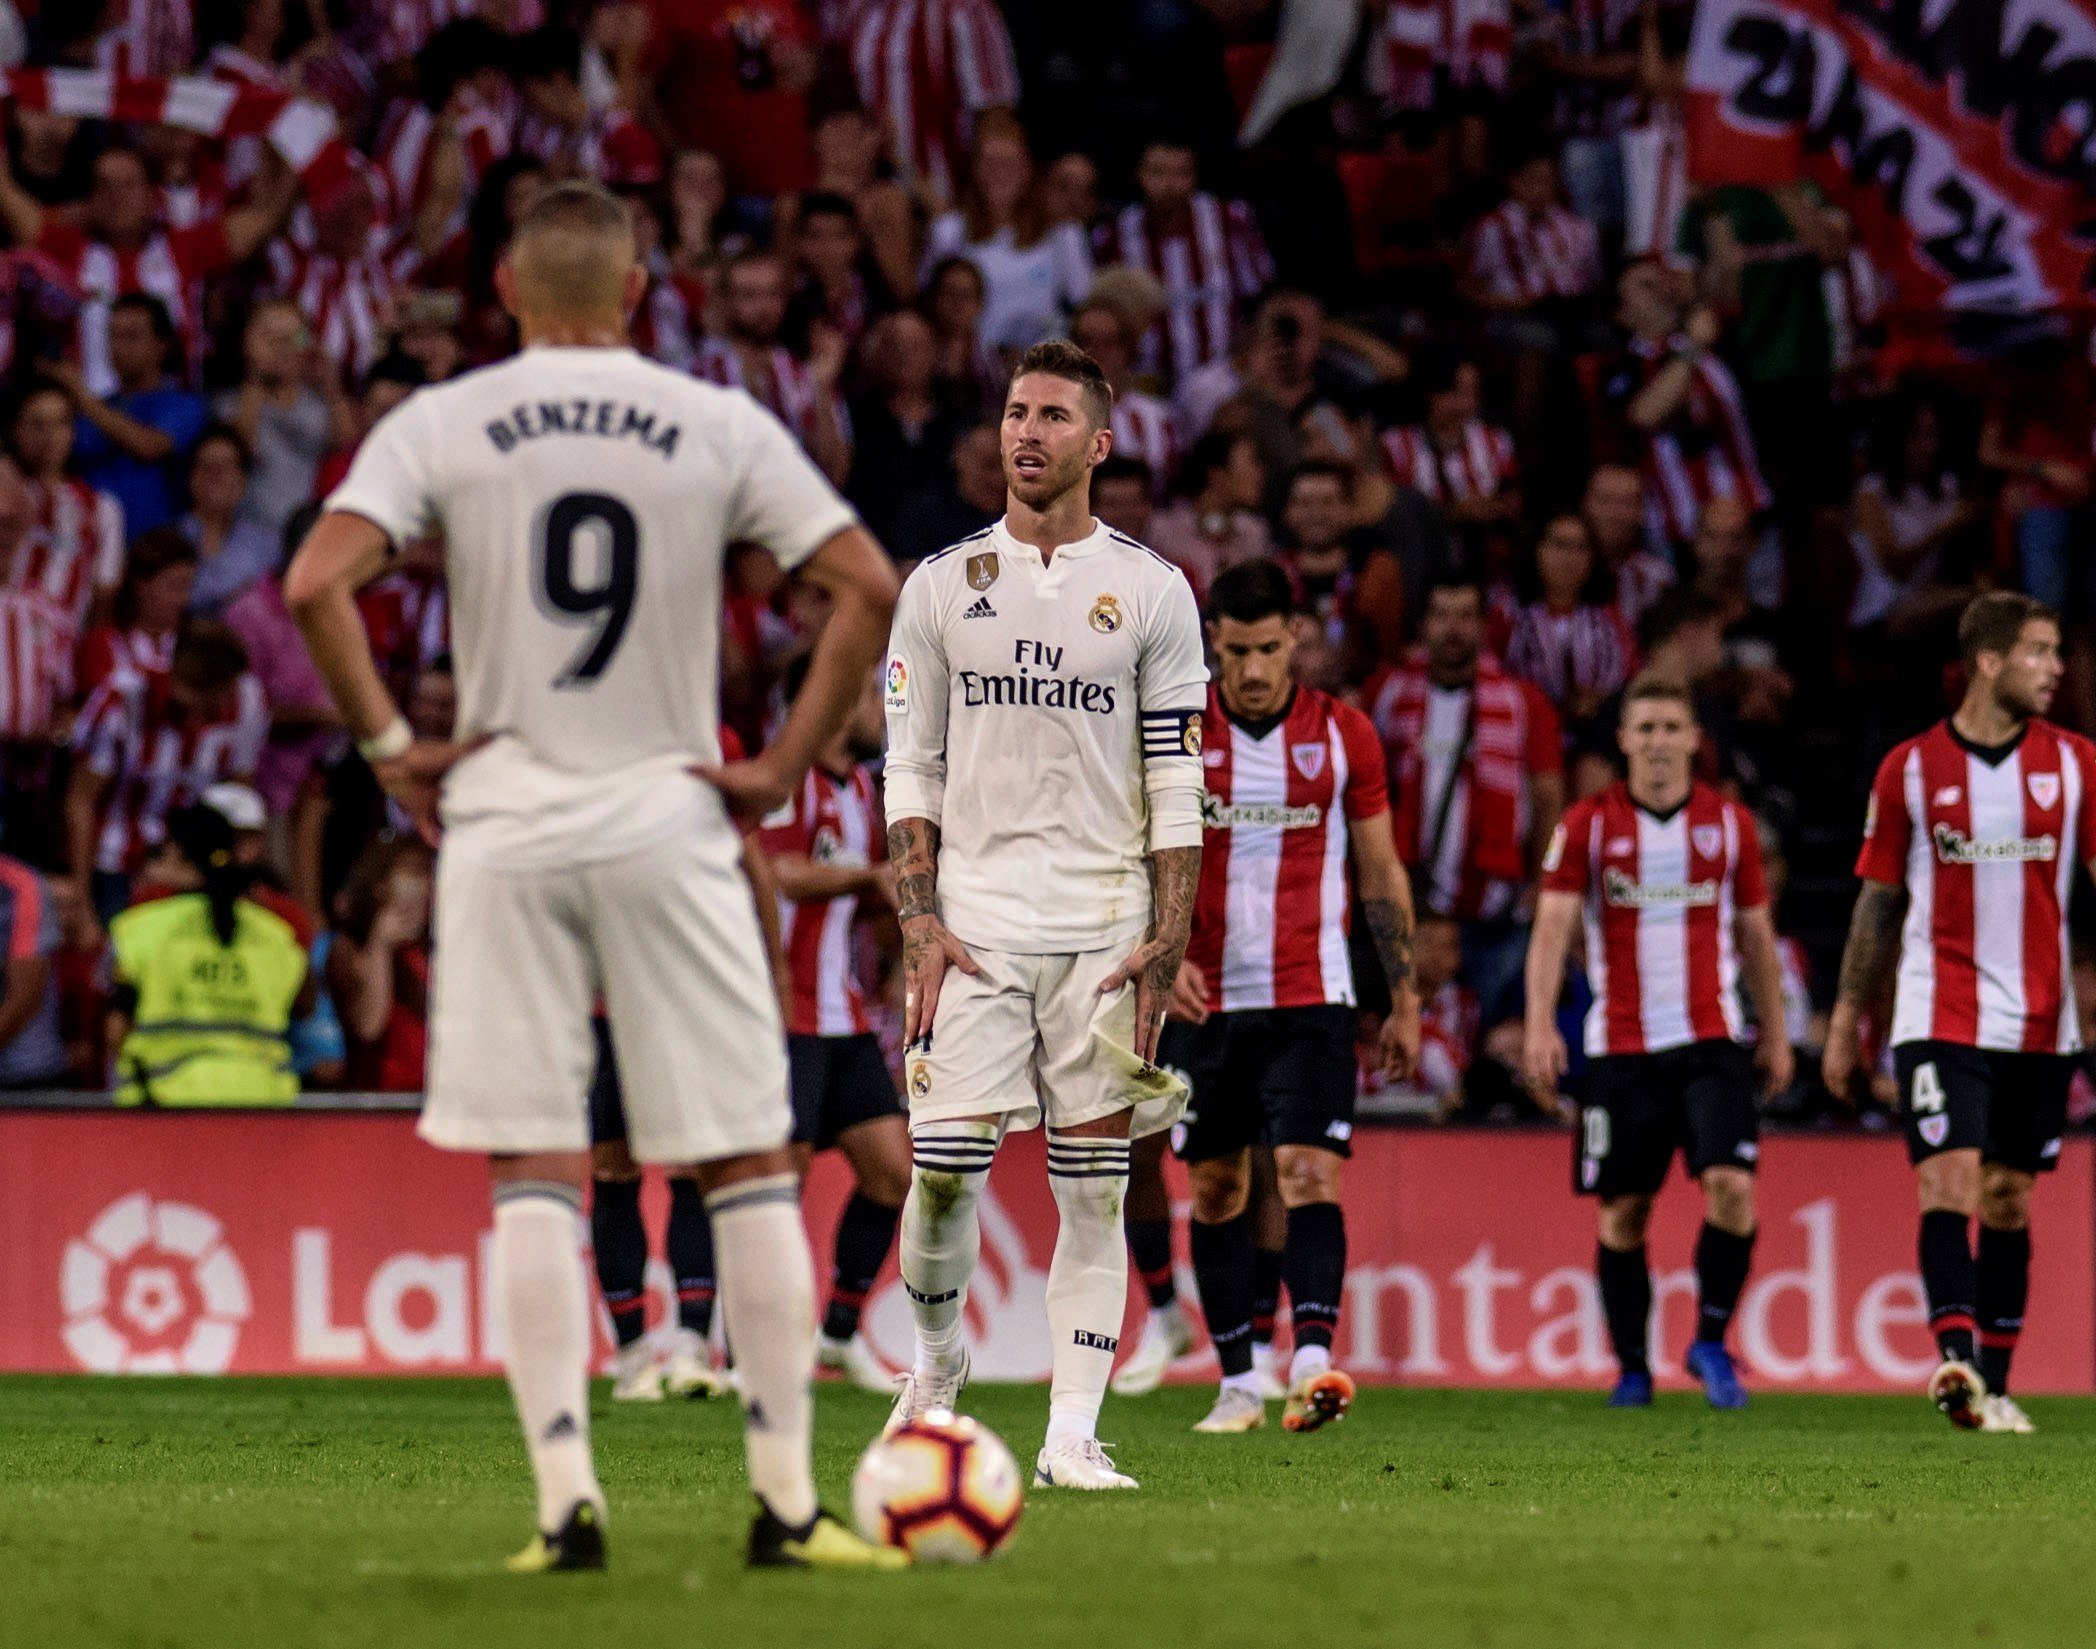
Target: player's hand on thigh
column 1153, row 968
column 928, row 948
column 1543, row 1059
column 1778, row 1064
column 752, row 790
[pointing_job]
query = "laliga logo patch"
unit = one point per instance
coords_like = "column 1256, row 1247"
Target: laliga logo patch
column 898, row 684
column 982, row 570
column 1935, row 1130
column 920, row 1079
column 1309, row 759
column 153, row 1289
column 1106, row 615
column 2044, row 788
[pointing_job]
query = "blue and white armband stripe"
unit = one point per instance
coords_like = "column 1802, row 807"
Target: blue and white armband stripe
column 1170, row 733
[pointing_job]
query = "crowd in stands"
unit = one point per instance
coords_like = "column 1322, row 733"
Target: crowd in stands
column 1518, row 414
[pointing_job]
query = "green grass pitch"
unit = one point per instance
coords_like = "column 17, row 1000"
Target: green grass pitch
column 223, row 1514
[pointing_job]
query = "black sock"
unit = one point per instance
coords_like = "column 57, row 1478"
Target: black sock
column 1223, row 1274
column 1951, row 1280
column 619, row 1244
column 1315, row 1264
column 865, row 1233
column 1721, row 1272
column 1266, row 1293
column 2004, row 1279
column 1626, row 1300
column 691, row 1256
column 1150, row 1246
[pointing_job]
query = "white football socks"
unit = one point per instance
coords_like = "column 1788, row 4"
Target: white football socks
column 542, row 1298
column 1087, row 1279
column 767, row 1294
column 1308, row 1360
column 941, row 1233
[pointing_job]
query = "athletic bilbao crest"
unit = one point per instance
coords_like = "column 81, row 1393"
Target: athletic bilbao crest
column 1935, row 1130
column 1309, row 759
column 1708, row 839
column 2044, row 788
column 982, row 570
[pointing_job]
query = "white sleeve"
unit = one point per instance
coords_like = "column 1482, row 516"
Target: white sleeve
column 1172, row 689
column 915, row 686
column 782, row 500
column 389, row 480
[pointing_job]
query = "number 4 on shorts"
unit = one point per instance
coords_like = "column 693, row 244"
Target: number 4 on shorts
column 1925, row 1098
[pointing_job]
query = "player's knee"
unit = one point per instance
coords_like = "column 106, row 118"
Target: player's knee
column 1728, row 1200
column 1623, row 1221
column 612, row 1160
column 1306, row 1176
column 884, row 1181
column 941, row 1192
column 2005, row 1199
column 1949, row 1181
column 1220, row 1190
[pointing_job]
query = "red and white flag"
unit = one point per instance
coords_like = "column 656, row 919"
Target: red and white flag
column 299, row 129
column 1944, row 131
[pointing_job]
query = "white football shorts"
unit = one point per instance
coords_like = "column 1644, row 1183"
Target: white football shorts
column 667, row 936
column 1030, row 1039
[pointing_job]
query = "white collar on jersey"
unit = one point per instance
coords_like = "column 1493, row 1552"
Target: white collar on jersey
column 1097, row 539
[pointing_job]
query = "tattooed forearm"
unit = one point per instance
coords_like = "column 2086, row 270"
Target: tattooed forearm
column 913, row 848
column 1873, row 943
column 1175, row 872
column 1390, row 926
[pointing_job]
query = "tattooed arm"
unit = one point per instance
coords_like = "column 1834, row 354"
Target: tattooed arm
column 927, row 945
column 1385, row 894
column 1866, row 968
column 1175, row 872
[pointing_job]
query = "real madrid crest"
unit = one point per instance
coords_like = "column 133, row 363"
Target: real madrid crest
column 1191, row 738
column 1106, row 614
column 920, row 1079
column 982, row 570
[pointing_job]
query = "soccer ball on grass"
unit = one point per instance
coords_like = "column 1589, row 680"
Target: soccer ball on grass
column 943, row 1488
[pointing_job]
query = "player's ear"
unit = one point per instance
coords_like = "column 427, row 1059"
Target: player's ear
column 636, row 289
column 506, row 285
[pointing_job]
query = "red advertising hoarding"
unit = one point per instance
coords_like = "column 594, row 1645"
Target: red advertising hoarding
column 339, row 1243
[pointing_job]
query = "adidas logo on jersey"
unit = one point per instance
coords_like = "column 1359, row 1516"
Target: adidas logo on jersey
column 981, row 609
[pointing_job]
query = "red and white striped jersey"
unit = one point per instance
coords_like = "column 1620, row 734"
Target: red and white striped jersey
column 1470, row 42
column 1661, row 895
column 405, row 26
column 407, row 617
column 610, row 146
column 105, row 650
column 156, row 760
column 172, row 266
column 792, row 395
column 1641, row 580
column 1586, row 650
column 1479, row 464
column 1143, row 428
column 406, row 148
column 1207, row 269
column 831, row 821
column 1270, row 917
column 1985, row 843
column 147, row 37
column 1524, row 257
column 1705, row 451
column 35, row 665
column 670, row 319
column 350, row 304
column 926, row 68
column 74, row 547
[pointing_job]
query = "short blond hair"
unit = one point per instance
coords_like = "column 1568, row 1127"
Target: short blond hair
column 574, row 248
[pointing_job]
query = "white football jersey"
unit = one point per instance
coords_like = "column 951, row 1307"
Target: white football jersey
column 586, row 498
column 1032, row 714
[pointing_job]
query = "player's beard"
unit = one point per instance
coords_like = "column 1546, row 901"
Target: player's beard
column 2020, row 704
column 1043, row 492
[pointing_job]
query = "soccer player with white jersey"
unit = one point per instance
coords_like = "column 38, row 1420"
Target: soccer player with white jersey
column 586, row 498
column 1044, row 692
column 1295, row 789
column 1969, row 850
column 1666, row 874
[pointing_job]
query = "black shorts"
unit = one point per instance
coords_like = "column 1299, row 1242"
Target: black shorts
column 1640, row 1109
column 838, row 1083
column 2009, row 1107
column 607, row 1103
column 1278, row 1076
